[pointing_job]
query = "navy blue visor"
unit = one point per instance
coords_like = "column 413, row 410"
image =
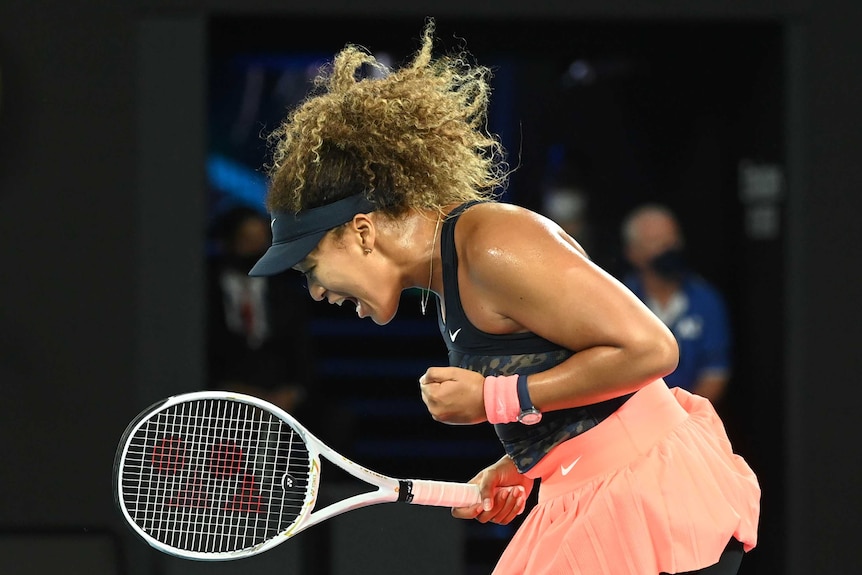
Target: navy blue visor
column 294, row 236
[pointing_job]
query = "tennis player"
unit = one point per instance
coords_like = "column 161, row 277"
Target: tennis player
column 386, row 182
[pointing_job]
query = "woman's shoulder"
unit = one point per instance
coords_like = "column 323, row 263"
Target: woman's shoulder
column 489, row 214
column 499, row 229
column 500, row 220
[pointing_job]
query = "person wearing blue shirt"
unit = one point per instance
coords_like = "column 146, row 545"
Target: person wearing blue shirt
column 690, row 306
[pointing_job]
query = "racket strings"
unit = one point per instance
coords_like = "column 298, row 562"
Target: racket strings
column 215, row 476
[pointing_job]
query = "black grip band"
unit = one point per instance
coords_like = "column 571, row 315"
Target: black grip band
column 405, row 491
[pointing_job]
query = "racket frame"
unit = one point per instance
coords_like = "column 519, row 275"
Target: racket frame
column 386, row 489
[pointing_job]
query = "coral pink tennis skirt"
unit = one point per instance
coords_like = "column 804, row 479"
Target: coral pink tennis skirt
column 653, row 488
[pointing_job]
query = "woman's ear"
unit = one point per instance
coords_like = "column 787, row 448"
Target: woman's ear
column 365, row 231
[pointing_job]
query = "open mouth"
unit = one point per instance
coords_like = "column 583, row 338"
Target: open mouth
column 339, row 300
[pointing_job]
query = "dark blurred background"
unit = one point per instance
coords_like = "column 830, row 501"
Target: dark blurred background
column 127, row 128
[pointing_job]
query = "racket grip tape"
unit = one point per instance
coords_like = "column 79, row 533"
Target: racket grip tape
column 438, row 493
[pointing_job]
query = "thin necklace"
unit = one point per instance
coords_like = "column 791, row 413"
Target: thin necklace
column 423, row 301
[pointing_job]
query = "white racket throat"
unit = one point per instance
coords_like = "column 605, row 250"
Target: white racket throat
column 217, row 476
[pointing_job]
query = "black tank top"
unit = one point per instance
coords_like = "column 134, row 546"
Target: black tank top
column 507, row 354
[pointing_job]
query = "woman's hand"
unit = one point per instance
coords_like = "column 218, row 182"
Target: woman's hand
column 504, row 494
column 454, row 395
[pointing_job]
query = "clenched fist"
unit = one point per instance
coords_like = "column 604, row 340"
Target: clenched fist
column 454, row 395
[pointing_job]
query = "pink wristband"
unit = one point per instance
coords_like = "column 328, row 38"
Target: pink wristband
column 501, row 398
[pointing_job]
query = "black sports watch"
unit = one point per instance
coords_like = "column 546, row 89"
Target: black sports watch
column 529, row 414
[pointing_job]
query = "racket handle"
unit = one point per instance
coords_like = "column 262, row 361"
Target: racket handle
column 444, row 493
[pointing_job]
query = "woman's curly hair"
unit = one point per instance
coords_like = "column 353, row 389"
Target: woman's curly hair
column 412, row 138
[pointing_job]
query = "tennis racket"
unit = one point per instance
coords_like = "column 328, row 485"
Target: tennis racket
column 216, row 476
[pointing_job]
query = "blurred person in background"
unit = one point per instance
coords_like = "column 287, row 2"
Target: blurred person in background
column 691, row 307
column 258, row 340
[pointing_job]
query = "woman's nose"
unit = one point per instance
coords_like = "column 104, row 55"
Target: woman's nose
column 316, row 291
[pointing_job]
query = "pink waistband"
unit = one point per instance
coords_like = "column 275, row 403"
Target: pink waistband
column 647, row 417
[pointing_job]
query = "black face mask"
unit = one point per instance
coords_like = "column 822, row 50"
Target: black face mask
column 670, row 265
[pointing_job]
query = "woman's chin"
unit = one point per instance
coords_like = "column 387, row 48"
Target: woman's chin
column 376, row 316
column 382, row 321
